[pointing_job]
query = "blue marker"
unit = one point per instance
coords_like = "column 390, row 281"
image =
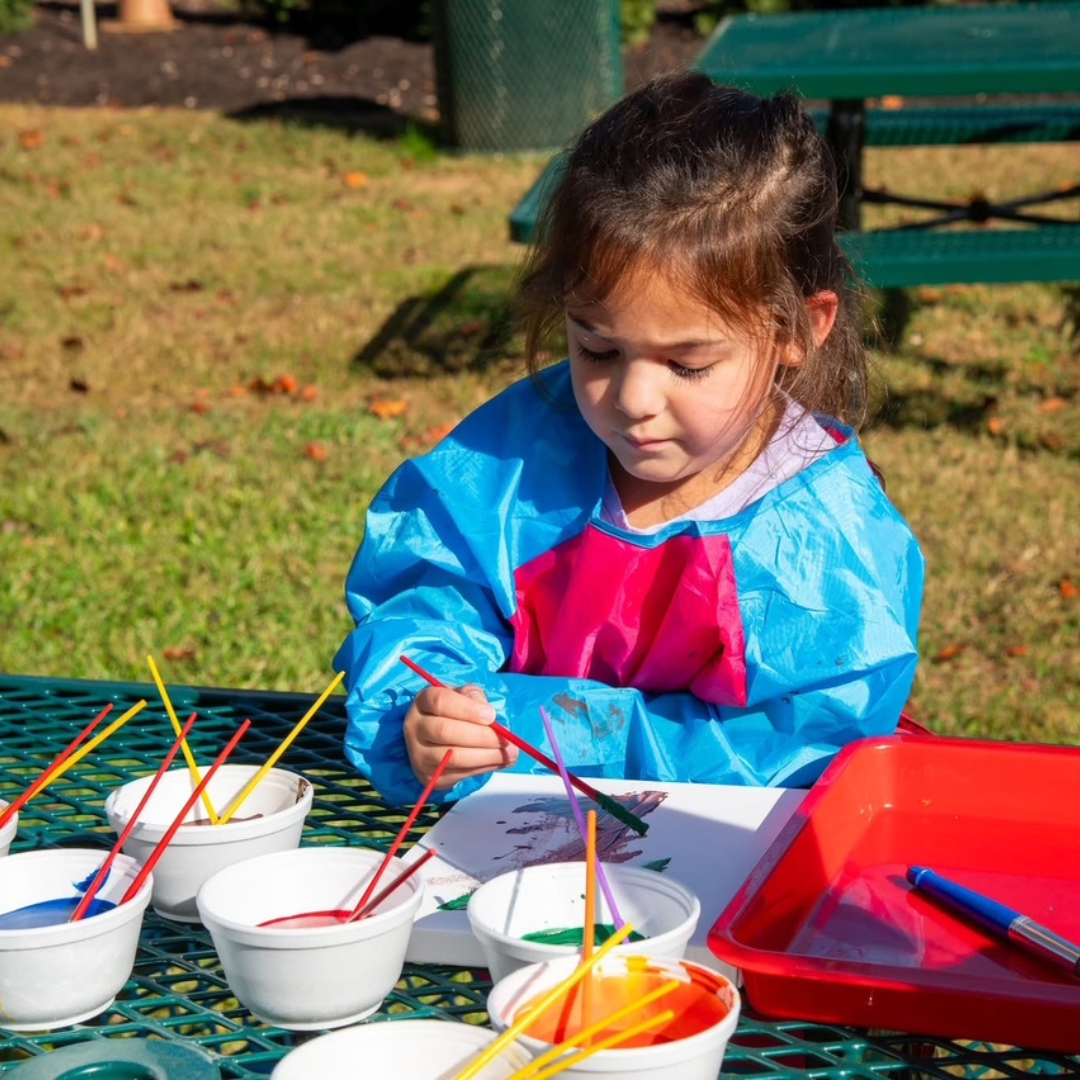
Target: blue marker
column 998, row 919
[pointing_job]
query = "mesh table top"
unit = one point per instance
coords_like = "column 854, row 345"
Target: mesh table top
column 177, row 990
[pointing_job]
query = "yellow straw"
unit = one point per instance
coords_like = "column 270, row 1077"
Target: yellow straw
column 286, row 743
column 603, row 1044
column 97, row 740
column 546, row 1058
column 189, row 757
column 526, row 1017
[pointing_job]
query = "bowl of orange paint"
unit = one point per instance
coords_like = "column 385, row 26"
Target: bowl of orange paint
column 688, row 1046
column 537, row 913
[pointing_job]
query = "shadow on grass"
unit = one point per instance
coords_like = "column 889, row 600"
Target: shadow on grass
column 465, row 324
column 352, row 115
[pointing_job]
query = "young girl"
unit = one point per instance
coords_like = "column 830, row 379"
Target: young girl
column 671, row 541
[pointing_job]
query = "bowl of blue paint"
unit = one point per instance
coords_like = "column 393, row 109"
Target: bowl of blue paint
column 54, row 972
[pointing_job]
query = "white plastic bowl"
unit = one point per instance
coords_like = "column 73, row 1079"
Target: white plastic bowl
column 402, row 1049
column 696, row 1056
column 8, row 830
column 271, row 818
column 552, row 897
column 53, row 976
column 309, row 978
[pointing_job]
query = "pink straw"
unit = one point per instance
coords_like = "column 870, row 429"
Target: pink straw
column 164, row 842
column 601, row 877
column 362, row 911
column 44, row 778
column 106, row 866
column 424, row 796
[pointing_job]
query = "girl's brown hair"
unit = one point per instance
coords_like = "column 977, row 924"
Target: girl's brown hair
column 731, row 196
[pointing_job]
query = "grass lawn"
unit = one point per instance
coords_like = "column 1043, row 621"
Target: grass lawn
column 217, row 338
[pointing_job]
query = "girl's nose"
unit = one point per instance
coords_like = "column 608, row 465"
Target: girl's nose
column 638, row 392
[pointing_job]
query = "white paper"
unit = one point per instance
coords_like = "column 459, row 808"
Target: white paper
column 706, row 836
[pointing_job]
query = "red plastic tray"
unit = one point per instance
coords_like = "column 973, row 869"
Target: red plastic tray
column 826, row 927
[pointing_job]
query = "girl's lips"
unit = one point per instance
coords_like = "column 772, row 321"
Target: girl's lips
column 642, row 444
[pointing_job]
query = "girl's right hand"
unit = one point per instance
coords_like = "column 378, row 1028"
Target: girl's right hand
column 441, row 719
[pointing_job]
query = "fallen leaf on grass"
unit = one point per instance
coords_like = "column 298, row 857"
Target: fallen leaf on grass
column 418, row 444
column 316, row 451
column 1052, row 405
column 31, row 139
column 1068, row 590
column 388, row 408
column 995, row 425
column 354, row 179
column 1017, row 650
column 950, row 652
column 180, row 652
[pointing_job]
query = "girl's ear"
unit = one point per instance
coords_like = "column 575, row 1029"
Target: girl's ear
column 823, row 307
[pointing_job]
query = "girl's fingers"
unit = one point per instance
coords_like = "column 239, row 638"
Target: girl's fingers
column 468, row 704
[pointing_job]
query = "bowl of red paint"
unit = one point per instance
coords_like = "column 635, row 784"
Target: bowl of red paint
column 688, row 1046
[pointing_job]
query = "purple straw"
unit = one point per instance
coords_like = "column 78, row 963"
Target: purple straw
column 601, row 877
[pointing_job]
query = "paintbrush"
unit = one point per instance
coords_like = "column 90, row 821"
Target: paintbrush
column 605, row 802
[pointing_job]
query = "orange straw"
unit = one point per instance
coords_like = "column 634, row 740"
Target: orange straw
column 47, row 775
column 164, row 842
column 106, row 866
column 404, row 831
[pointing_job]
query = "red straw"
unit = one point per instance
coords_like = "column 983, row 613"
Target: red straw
column 44, row 778
column 424, row 796
column 106, row 866
column 164, row 842
column 362, row 912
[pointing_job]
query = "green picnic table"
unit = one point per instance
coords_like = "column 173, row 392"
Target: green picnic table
column 980, row 74
column 178, row 995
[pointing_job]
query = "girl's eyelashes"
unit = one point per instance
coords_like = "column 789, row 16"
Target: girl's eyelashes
column 680, row 371
column 593, row 356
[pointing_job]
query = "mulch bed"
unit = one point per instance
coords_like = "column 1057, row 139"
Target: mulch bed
column 215, row 60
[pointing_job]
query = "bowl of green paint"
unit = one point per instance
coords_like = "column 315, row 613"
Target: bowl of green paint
column 537, row 913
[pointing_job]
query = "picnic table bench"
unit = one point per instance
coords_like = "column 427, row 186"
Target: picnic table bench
column 863, row 62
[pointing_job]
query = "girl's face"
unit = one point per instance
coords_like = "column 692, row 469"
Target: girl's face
column 682, row 401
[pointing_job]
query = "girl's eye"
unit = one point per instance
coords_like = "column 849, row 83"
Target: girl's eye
column 681, row 372
column 596, row 357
